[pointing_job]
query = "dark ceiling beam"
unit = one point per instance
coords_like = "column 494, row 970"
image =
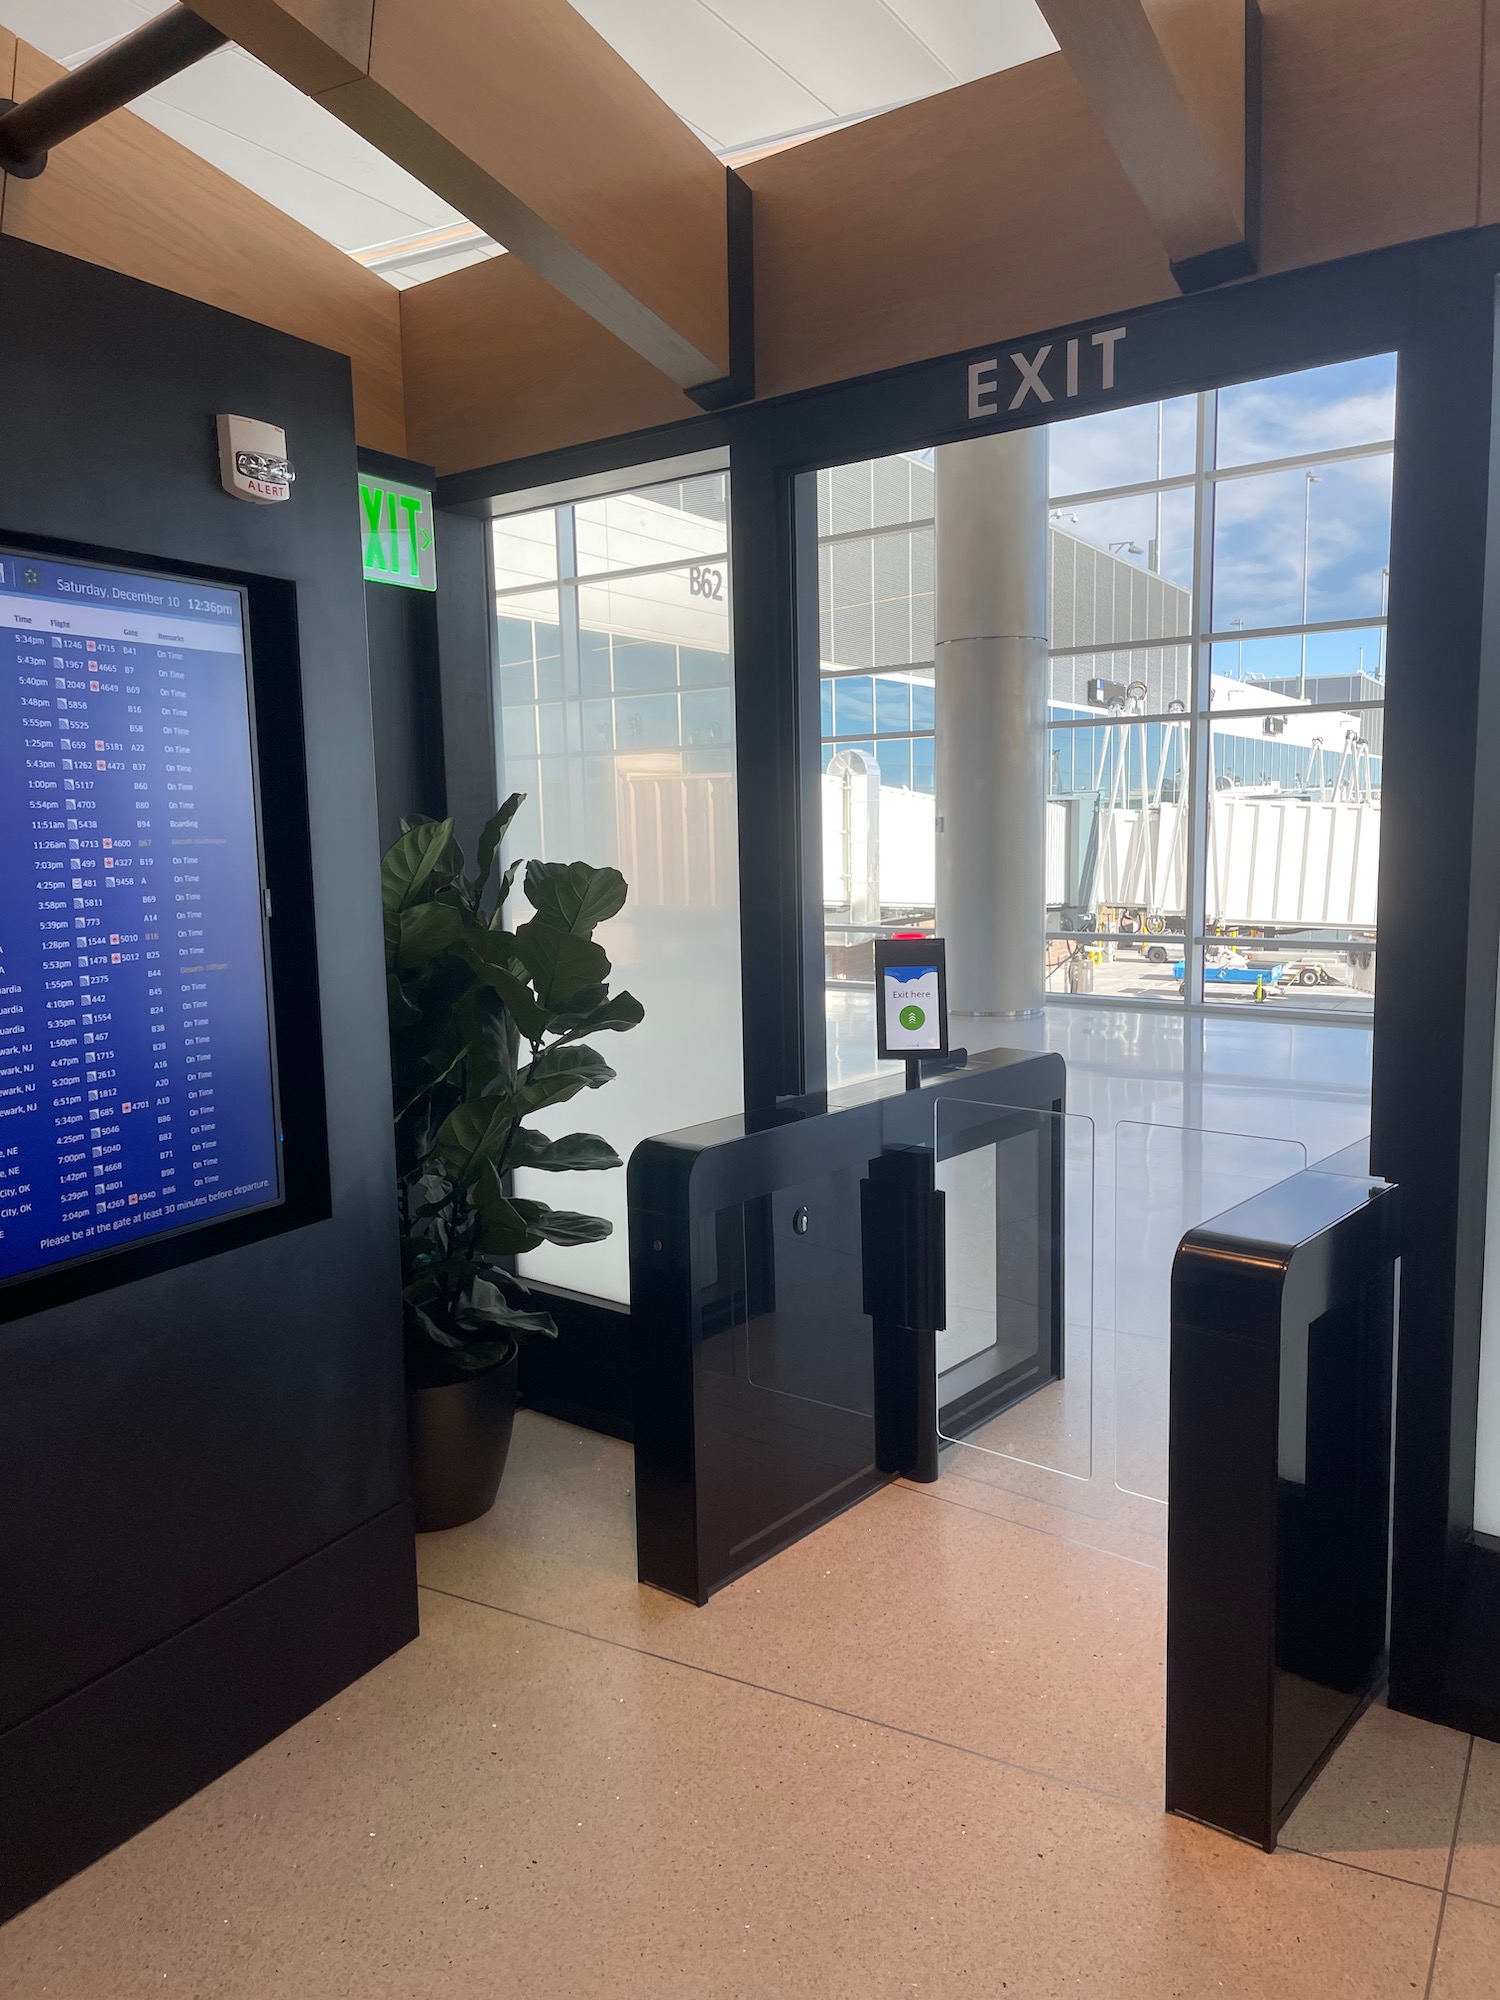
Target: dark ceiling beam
column 159, row 49
column 525, row 119
column 1174, row 85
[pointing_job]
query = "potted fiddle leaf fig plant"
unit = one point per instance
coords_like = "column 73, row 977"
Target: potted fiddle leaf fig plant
column 489, row 1026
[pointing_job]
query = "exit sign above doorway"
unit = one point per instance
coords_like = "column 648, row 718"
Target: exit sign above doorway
column 396, row 526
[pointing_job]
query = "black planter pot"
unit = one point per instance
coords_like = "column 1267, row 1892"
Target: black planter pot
column 458, row 1427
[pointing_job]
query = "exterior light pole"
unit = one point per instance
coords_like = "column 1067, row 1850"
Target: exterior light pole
column 1311, row 482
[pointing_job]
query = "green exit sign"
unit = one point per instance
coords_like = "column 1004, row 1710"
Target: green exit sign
column 396, row 522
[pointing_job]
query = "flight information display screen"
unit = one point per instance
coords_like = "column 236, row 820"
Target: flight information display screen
column 137, row 1082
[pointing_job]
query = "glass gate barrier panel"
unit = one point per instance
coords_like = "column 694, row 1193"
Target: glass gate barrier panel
column 1015, row 1359
column 803, row 1327
column 1167, row 1180
column 786, row 1276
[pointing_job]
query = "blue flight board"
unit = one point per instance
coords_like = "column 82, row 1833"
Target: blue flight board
column 137, row 1082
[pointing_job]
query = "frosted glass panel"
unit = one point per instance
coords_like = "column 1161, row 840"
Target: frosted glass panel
column 525, row 549
column 1168, row 1179
column 627, row 753
column 659, row 524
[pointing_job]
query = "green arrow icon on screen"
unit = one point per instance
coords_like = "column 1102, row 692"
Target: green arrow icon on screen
column 911, row 1018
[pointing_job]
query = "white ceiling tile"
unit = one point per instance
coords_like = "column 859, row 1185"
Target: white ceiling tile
column 341, row 214
column 238, row 94
column 854, row 55
column 404, row 276
column 65, row 29
column 706, row 71
column 977, row 37
column 740, row 72
column 250, row 123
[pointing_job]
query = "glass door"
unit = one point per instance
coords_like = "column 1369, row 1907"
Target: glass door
column 1212, row 734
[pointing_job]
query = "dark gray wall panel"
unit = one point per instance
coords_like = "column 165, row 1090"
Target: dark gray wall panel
column 170, row 1444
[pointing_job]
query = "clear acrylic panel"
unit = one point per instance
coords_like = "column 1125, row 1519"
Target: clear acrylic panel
column 617, row 720
column 1168, row 1179
column 1150, row 533
column 1315, row 409
column 525, row 549
column 1302, row 545
column 1321, row 667
column 875, row 493
column 1122, row 447
column 680, row 521
column 650, row 615
column 1016, row 1358
column 805, row 1332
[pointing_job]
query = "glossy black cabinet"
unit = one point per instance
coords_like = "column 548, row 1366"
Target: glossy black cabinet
column 779, row 1356
column 1282, row 1318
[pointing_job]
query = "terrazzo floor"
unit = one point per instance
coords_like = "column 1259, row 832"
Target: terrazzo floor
column 918, row 1754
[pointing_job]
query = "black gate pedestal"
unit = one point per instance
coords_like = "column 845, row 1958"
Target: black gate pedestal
column 1282, row 1317
column 786, row 1290
column 901, row 1215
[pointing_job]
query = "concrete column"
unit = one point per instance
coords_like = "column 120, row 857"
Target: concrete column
column 991, row 633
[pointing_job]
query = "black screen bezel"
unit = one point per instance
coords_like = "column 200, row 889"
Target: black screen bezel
column 910, row 951
column 280, row 779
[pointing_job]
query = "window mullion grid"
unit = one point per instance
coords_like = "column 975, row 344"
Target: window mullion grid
column 572, row 675
column 1252, row 469
column 1200, row 737
column 568, row 573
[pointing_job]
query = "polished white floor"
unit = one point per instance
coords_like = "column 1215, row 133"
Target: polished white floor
column 1171, row 1118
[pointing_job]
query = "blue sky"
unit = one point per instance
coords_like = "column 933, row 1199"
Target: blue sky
column 1259, row 520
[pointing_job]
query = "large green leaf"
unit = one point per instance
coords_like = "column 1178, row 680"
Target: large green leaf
column 489, row 842
column 503, row 892
column 483, row 1304
column 611, row 1015
column 504, row 1230
column 403, row 1012
column 534, row 1021
column 585, row 1064
column 581, row 1004
column 427, row 930
column 464, row 1349
column 489, row 1043
column 470, row 1137
column 419, row 856
column 560, row 1073
column 573, row 896
column 579, row 1152
column 495, row 960
column 559, row 963
column 564, row 1225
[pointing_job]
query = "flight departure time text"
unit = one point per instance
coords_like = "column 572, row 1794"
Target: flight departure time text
column 136, row 1084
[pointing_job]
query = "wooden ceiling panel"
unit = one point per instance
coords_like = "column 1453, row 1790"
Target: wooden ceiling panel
column 126, row 196
column 1371, row 124
column 315, row 44
column 1204, row 43
column 522, row 117
column 499, row 365
column 1157, row 77
column 994, row 208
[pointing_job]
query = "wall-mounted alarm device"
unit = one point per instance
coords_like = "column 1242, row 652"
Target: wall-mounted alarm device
column 252, row 460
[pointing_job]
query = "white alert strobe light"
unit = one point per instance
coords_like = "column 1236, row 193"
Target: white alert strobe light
column 252, row 460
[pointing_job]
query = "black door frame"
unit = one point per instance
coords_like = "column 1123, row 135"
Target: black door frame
column 1439, row 910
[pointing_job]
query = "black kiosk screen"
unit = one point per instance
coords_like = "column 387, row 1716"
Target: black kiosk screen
column 137, row 1088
